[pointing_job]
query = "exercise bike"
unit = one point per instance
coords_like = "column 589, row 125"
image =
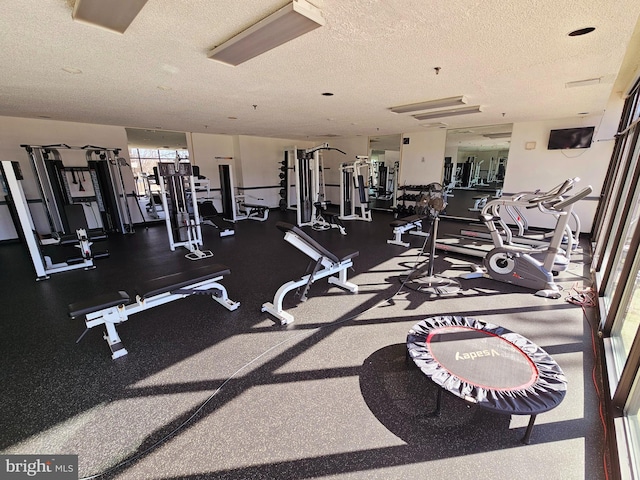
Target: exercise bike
column 516, row 264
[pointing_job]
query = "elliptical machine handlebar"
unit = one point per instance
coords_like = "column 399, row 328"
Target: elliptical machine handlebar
column 574, row 198
column 554, row 194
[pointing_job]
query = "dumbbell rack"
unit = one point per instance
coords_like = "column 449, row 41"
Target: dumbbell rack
column 404, row 210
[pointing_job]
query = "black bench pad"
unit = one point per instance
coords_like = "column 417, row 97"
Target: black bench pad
column 405, row 220
column 178, row 280
column 93, row 235
column 98, row 302
column 346, row 254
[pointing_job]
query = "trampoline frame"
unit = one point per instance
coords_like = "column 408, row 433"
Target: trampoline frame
column 544, row 393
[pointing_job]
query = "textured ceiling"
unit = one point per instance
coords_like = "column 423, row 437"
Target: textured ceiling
column 512, row 57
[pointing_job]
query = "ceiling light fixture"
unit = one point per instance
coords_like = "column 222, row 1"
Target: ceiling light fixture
column 114, row 15
column 287, row 23
column 449, row 113
column 72, row 70
column 497, row 135
column 583, row 83
column 441, row 102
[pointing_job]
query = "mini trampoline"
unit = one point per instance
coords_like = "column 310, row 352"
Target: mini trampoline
column 487, row 365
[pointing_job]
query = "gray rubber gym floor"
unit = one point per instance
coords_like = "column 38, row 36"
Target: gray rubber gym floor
column 208, row 393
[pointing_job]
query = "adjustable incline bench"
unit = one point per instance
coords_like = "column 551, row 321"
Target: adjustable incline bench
column 327, row 264
column 113, row 308
column 411, row 224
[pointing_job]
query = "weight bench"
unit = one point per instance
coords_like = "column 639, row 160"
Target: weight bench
column 478, row 203
column 332, row 221
column 256, row 212
column 327, row 264
column 116, row 307
column 411, row 224
column 83, row 239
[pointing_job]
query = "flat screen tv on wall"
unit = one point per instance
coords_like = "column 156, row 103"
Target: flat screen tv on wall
column 570, row 138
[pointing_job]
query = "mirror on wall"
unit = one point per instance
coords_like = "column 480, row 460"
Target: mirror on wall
column 475, row 166
column 384, row 155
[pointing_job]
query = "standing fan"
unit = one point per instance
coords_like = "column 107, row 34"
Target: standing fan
column 422, row 279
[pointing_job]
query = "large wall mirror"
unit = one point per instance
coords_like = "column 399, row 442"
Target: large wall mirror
column 475, row 166
column 384, row 154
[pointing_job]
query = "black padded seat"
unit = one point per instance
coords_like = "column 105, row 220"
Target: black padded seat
column 68, row 240
column 405, row 220
column 97, row 234
column 345, row 255
column 94, row 235
column 99, row 302
column 178, row 280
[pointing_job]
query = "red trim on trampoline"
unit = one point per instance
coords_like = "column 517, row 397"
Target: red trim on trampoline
column 535, row 372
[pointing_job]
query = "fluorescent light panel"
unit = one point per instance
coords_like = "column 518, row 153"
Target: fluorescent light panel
column 419, row 107
column 113, row 15
column 448, row 113
column 583, row 83
column 291, row 21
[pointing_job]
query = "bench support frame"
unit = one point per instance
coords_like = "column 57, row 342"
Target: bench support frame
column 336, row 271
column 413, row 227
column 113, row 315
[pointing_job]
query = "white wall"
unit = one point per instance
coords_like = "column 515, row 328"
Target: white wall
column 203, row 150
column 422, row 159
column 540, row 168
column 259, row 167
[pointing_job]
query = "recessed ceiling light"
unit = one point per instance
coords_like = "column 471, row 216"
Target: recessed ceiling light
column 581, row 31
column 72, row 70
column 583, row 113
column 328, row 94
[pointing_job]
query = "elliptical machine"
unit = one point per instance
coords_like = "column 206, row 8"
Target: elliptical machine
column 515, row 264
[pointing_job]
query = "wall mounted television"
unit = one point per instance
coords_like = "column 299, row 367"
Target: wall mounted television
column 570, row 138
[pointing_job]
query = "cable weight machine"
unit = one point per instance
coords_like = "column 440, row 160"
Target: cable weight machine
column 60, row 186
column 354, row 195
column 177, row 187
column 310, row 194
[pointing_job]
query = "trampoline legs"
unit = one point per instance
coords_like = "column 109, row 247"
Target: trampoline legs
column 436, row 412
column 527, row 434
